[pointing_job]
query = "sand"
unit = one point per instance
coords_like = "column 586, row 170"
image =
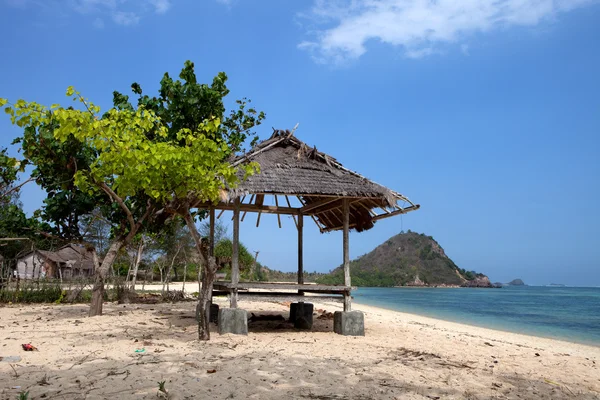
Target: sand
column 402, row 356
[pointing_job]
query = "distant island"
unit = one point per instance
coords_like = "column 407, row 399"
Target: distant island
column 407, row 259
column 514, row 282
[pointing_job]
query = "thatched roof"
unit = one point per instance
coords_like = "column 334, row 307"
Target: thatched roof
column 71, row 255
column 289, row 167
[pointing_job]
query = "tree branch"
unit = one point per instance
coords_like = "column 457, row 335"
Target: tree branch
column 16, row 188
column 120, row 202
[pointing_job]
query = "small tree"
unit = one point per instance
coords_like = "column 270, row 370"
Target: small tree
column 139, row 159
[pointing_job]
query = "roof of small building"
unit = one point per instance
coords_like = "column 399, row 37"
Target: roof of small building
column 74, row 255
column 290, row 167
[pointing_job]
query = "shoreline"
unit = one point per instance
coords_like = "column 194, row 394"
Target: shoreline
column 470, row 325
column 465, row 327
column 126, row 351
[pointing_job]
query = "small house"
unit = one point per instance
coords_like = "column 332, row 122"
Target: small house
column 70, row 261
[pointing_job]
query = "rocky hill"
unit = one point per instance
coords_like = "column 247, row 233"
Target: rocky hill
column 407, row 259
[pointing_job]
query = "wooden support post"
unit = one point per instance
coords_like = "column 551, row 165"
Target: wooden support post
column 211, row 247
column 211, row 243
column 300, row 252
column 235, row 261
column 347, row 283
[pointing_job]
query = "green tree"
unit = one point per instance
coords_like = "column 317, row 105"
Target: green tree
column 186, row 104
column 9, row 170
column 17, row 231
column 138, row 158
column 224, row 252
column 164, row 157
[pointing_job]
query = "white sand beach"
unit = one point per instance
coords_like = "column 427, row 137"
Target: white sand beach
column 402, row 356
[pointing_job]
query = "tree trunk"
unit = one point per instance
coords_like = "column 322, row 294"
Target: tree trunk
column 170, row 268
column 145, row 278
column 208, row 277
column 204, row 302
column 138, row 259
column 185, row 264
column 101, row 273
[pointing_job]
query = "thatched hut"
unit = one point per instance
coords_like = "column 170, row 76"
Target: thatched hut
column 334, row 197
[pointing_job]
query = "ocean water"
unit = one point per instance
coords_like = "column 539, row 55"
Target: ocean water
column 566, row 313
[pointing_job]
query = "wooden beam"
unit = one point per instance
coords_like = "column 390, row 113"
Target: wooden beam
column 290, row 206
column 260, row 198
column 346, row 237
column 307, row 208
column 258, row 219
column 250, row 202
column 235, row 255
column 312, row 216
column 256, row 208
column 278, row 215
column 335, row 206
column 337, row 228
column 377, row 218
column 324, row 216
column 221, row 213
column 397, row 212
column 368, row 209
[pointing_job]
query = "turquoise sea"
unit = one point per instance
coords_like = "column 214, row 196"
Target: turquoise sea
column 567, row 313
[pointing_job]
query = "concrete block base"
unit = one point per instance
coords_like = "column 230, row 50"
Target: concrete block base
column 349, row 323
column 233, row 320
column 301, row 314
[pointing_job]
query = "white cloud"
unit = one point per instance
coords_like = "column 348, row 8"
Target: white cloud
column 122, row 12
column 125, row 18
column 161, row 6
column 420, row 53
column 93, row 6
column 419, row 27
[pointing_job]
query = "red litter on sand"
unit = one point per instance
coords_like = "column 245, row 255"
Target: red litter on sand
column 29, row 347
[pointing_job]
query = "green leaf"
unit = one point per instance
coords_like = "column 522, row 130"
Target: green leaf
column 3, row 101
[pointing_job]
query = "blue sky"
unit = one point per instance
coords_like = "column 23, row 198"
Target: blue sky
column 487, row 113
